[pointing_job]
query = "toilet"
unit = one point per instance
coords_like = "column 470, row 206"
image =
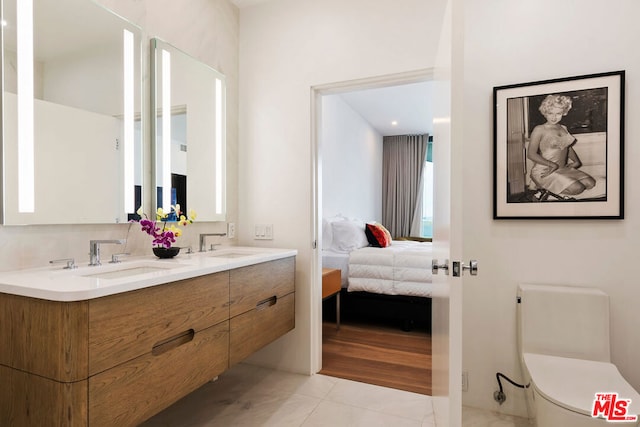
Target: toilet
column 563, row 341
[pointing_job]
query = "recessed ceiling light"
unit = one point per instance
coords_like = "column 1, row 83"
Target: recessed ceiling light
column 394, row 123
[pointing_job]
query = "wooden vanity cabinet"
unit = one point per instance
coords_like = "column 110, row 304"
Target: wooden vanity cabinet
column 249, row 286
column 262, row 306
column 258, row 327
column 148, row 348
column 128, row 325
column 45, row 338
column 128, row 394
column 30, row 400
column 120, row 359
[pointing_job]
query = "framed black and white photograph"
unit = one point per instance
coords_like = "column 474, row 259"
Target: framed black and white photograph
column 559, row 148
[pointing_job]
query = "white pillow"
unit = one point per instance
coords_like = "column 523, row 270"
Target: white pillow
column 348, row 236
column 327, row 234
column 327, row 230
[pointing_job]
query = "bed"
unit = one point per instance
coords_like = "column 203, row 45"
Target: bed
column 391, row 283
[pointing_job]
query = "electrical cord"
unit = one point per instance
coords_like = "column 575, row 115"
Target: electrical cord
column 500, row 374
column 499, row 395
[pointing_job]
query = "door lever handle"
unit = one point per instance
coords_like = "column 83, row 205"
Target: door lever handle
column 472, row 267
column 435, row 266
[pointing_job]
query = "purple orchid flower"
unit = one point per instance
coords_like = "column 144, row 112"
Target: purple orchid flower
column 166, row 239
column 149, row 227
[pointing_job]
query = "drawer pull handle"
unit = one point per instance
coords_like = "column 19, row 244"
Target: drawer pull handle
column 266, row 303
column 170, row 343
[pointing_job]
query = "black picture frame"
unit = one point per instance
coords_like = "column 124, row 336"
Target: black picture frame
column 535, row 172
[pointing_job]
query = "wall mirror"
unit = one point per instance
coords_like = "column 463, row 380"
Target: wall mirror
column 188, row 133
column 71, row 113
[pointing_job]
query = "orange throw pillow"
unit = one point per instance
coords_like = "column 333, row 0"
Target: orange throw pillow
column 377, row 235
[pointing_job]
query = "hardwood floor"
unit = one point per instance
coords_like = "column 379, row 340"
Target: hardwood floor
column 378, row 355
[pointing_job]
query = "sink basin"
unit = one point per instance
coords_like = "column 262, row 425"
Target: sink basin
column 132, row 271
column 233, row 253
column 123, row 270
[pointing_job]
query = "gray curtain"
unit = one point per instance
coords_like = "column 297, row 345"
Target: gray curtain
column 403, row 158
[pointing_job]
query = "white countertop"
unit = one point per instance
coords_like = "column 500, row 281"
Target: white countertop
column 57, row 284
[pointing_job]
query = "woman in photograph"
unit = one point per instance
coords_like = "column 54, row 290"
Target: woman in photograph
column 556, row 163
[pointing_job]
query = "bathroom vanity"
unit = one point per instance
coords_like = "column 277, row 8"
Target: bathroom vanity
column 137, row 337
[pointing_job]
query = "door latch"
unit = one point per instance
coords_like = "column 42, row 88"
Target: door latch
column 459, row 267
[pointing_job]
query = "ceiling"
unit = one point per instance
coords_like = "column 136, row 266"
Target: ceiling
column 409, row 105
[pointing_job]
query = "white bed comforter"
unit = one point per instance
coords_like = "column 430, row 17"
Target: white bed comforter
column 404, row 268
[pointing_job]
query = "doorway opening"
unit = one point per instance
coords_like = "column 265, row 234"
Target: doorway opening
column 367, row 346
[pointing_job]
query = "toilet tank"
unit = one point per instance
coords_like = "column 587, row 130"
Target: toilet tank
column 563, row 321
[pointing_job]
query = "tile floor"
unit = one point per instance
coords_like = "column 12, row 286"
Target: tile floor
column 472, row 417
column 248, row 395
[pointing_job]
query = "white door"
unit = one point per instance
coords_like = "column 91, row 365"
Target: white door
column 447, row 163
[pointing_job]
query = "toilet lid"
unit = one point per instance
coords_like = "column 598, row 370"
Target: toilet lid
column 573, row 383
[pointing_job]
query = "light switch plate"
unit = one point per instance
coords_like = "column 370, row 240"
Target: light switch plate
column 263, row 232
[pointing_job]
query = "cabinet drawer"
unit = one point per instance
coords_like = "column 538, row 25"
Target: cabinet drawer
column 136, row 390
column 255, row 283
column 256, row 328
column 47, row 338
column 29, row 400
column 128, row 325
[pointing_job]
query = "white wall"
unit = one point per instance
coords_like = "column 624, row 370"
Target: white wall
column 514, row 42
column 207, row 30
column 351, row 163
column 286, row 48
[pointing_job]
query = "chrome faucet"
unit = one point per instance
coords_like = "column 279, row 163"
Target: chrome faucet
column 203, row 238
column 94, row 249
column 71, row 263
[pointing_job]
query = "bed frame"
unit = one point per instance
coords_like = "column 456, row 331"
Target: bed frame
column 405, row 312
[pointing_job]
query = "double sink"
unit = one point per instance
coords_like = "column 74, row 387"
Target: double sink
column 87, row 282
column 134, row 268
